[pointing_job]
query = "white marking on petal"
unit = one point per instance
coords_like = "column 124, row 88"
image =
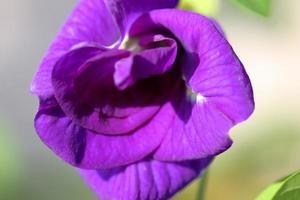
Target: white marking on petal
column 114, row 45
column 200, row 98
column 194, row 96
column 83, row 44
column 123, row 44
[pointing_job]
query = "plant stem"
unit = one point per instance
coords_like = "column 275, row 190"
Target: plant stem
column 202, row 186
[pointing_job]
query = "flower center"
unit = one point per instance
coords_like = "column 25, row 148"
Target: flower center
column 130, row 44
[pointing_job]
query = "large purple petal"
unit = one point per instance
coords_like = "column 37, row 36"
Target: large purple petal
column 97, row 22
column 89, row 150
column 219, row 93
column 147, row 179
column 199, row 129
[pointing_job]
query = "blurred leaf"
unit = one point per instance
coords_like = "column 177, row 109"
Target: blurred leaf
column 8, row 164
column 6, row 158
column 287, row 188
column 261, row 7
column 206, row 7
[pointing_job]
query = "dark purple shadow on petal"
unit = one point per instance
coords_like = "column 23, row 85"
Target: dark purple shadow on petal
column 191, row 60
column 183, row 114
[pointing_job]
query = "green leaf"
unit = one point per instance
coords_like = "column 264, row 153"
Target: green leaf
column 287, row 188
column 205, row 7
column 262, row 7
column 9, row 172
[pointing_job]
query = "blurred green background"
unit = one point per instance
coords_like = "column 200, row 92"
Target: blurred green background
column 266, row 147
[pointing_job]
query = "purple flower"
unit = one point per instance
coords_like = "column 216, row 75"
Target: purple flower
column 142, row 117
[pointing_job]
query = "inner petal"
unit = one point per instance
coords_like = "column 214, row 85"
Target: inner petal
column 157, row 56
column 87, row 93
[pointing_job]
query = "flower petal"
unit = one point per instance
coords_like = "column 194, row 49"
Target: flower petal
column 198, row 130
column 148, row 62
column 90, row 22
column 219, row 92
column 89, row 150
column 147, row 179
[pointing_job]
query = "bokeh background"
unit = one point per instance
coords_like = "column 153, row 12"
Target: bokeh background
column 265, row 148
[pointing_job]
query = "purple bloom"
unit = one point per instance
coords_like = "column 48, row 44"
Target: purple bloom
column 142, row 117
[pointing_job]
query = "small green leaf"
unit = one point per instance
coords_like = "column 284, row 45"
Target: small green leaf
column 287, row 188
column 262, row 7
column 206, row 7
